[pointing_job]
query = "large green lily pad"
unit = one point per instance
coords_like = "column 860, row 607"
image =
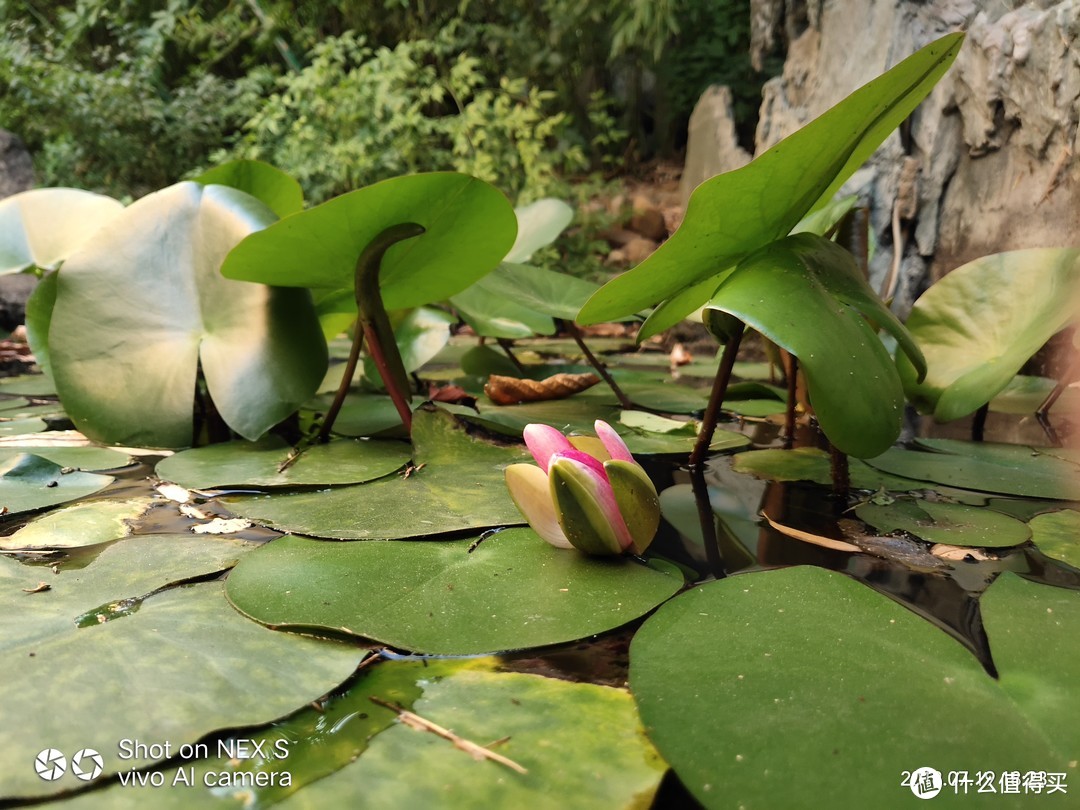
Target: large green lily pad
column 807, row 689
column 460, row 486
column 125, row 365
column 170, row 668
column 511, row 592
column 469, row 226
column 951, row 523
column 581, row 744
column 256, row 464
column 29, row 482
column 1002, row 468
column 1057, row 534
column 87, row 458
column 735, row 213
column 549, row 723
column 981, row 323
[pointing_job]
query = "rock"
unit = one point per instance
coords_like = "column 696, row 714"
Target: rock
column 990, row 156
column 712, row 147
column 638, row 250
column 617, row 237
column 14, row 290
column 16, row 167
column 647, row 219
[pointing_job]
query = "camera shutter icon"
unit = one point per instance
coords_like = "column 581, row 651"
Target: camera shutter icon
column 87, row 764
column 50, row 764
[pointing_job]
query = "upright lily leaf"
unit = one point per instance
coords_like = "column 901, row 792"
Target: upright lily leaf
column 555, row 294
column 539, row 224
column 796, row 673
column 805, row 294
column 41, row 228
column 492, row 314
column 733, row 214
column 280, row 192
column 142, row 306
column 468, row 228
column 512, row 591
column 983, row 321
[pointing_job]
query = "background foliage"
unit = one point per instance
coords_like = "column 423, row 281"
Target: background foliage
column 125, row 96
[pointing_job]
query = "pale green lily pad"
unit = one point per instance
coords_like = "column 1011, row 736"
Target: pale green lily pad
column 950, row 523
column 581, row 744
column 987, row 467
column 179, row 666
column 539, row 224
column 459, row 487
column 419, row 336
column 29, row 482
column 812, row 464
column 511, row 592
column 667, row 397
column 1057, row 534
column 88, row 458
column 12, row 405
column 980, row 323
column 51, row 410
column 758, row 408
column 255, row 464
column 490, row 314
column 807, row 689
column 260, row 349
column 653, row 423
column 547, row 292
column 43, row 226
column 1024, row 394
column 362, row 414
column 83, row 524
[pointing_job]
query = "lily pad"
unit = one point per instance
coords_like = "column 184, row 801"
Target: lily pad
column 419, row 336
column 88, row 458
column 980, row 323
column 511, row 592
column 170, row 668
column 491, row 314
column 950, row 523
column 83, row 524
column 33, row 385
column 581, row 744
column 21, row 427
column 260, row 349
column 458, row 485
column 1057, row 534
column 29, row 482
column 255, row 464
column 812, row 464
column 796, row 672
column 42, row 227
column 987, row 467
column 553, row 294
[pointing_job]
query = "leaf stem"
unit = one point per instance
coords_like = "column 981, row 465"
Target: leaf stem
column 343, row 388
column 716, row 398
column 601, row 369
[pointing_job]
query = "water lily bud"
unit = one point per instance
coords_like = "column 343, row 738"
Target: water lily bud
column 573, row 498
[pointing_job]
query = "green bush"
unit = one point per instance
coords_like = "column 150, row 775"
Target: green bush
column 359, row 114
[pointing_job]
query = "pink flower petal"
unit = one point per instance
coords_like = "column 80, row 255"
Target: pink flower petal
column 543, row 442
column 613, row 442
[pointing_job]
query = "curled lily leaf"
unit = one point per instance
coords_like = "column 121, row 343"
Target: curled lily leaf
column 588, row 493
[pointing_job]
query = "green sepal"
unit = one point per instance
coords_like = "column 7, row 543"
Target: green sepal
column 637, row 499
column 580, row 514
